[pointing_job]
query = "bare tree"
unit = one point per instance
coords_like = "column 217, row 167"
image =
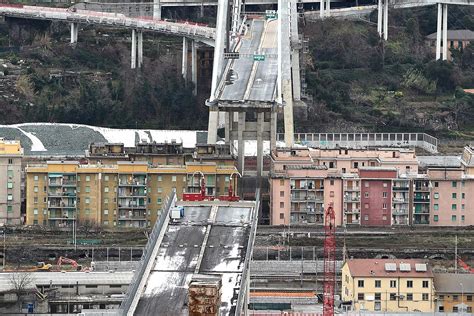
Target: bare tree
column 21, row 282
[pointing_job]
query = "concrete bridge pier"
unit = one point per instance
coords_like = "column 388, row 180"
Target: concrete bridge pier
column 156, row 10
column 74, row 32
column 442, row 32
column 382, row 18
column 194, row 66
column 184, row 64
column 324, row 8
column 133, row 59
column 140, row 48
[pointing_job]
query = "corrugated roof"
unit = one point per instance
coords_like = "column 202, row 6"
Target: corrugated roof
column 439, row 161
column 456, row 35
column 451, row 283
column 376, row 268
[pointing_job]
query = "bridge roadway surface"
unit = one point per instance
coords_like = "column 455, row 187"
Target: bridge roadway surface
column 250, row 80
column 209, row 239
column 190, row 30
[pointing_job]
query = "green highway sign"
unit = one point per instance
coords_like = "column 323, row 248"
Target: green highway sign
column 258, row 57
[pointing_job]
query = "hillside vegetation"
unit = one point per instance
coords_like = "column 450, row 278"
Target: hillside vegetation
column 365, row 84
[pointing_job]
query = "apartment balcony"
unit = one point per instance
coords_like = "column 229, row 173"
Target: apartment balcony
column 307, row 199
column 132, row 182
column 69, row 183
column 352, row 211
column 132, row 193
column 131, row 206
column 351, row 198
column 353, row 222
column 399, row 212
column 421, row 200
column 421, row 222
column 399, row 200
column 351, row 188
column 56, row 183
column 422, row 189
column 132, row 218
column 397, row 188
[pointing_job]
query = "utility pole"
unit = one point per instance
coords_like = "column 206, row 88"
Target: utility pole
column 456, row 254
column 4, row 249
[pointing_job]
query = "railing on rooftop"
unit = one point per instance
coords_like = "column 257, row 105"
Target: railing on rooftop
column 362, row 140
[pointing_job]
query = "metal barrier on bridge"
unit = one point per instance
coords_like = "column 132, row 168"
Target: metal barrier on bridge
column 363, row 140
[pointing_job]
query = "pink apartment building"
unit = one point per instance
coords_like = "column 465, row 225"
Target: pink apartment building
column 376, row 187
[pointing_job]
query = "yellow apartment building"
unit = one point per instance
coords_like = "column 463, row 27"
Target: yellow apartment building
column 11, row 155
column 125, row 194
column 454, row 292
column 387, row 285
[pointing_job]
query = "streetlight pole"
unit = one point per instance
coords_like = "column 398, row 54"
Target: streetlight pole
column 462, row 299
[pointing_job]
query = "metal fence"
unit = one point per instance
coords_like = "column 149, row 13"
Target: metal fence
column 362, row 140
column 146, row 257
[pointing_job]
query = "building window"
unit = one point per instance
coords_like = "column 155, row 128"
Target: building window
column 436, row 184
column 88, row 178
column 453, row 195
column 462, row 218
column 384, row 194
column 366, row 194
column 88, row 200
column 160, row 178
column 106, row 178
column 282, row 204
column 10, row 161
column 35, row 200
column 455, row 298
column 160, row 189
column 331, row 182
column 435, row 218
column 10, row 185
column 455, row 309
column 441, row 308
column 360, row 296
column 106, row 189
column 393, row 296
column 35, row 211
column 9, row 197
column 393, row 284
column 88, row 211
column 173, row 178
column 409, row 284
column 469, row 309
column 366, row 205
column 454, row 206
column 384, row 206
column 425, row 284
column 454, row 184
column 35, row 178
column 463, row 195
column 463, row 207
column 378, row 296
column 409, row 296
column 282, row 215
column 453, row 218
column 424, row 296
column 360, row 283
column 436, row 207
column 356, row 164
column 106, row 201
column 366, row 184
column 366, row 217
column 9, row 209
column 35, row 189
column 385, row 184
column 384, row 217
column 378, row 283
column 158, row 201
column 469, row 298
column 436, row 195
column 88, row 189
column 282, row 193
column 106, row 212
column 331, row 164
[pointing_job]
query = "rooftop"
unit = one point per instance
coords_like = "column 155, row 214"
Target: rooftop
column 456, row 35
column 451, row 283
column 389, row 268
column 10, row 148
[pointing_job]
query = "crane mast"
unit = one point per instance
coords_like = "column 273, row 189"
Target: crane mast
column 329, row 261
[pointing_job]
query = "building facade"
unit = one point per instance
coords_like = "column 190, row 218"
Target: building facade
column 454, row 292
column 382, row 187
column 125, row 194
column 387, row 285
column 11, row 155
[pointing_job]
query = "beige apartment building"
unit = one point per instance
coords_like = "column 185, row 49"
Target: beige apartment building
column 11, row 155
column 387, row 285
column 125, row 194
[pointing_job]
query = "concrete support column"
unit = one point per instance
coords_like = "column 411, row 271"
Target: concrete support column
column 385, row 20
column 140, row 48
column 438, row 31
column 133, row 58
column 218, row 66
column 445, row 32
column 74, row 32
column 328, row 8
column 273, row 129
column 184, row 68
column 156, row 10
column 379, row 17
column 241, row 143
column 260, row 124
column 321, row 8
column 228, row 127
column 295, row 53
column 194, row 66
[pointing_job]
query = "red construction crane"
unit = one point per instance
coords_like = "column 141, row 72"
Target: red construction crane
column 329, row 261
column 465, row 266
